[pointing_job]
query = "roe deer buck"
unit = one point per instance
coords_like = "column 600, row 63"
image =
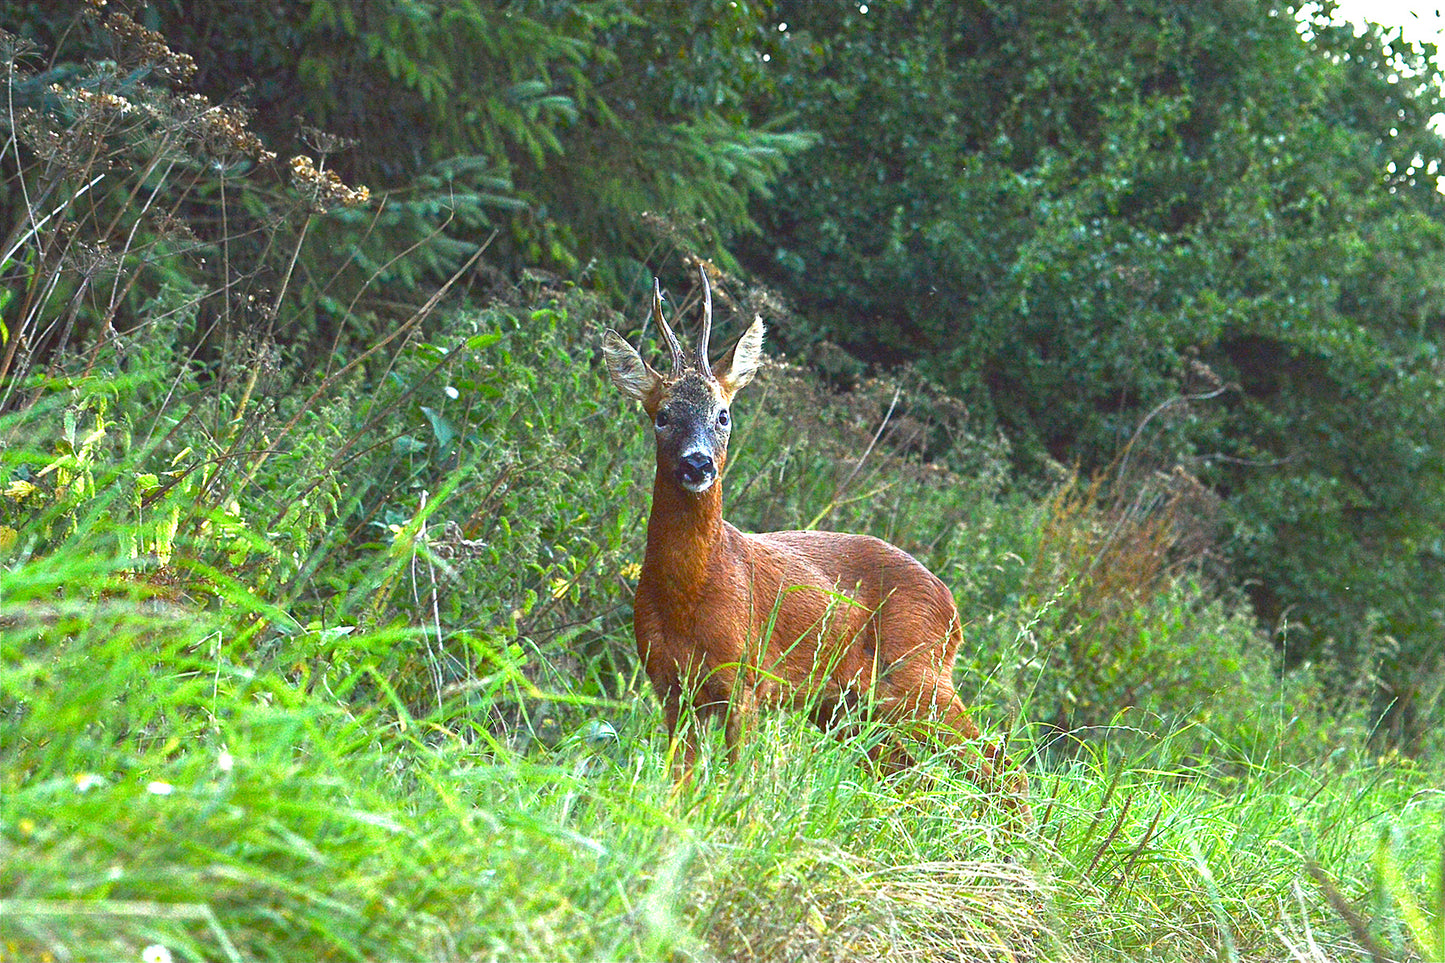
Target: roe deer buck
column 727, row 622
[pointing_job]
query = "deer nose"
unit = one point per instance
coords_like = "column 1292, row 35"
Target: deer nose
column 696, row 470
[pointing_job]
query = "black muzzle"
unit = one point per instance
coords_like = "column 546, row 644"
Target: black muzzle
column 696, row 470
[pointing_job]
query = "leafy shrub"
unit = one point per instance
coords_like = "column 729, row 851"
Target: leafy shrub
column 489, row 474
column 1114, row 629
column 1057, row 214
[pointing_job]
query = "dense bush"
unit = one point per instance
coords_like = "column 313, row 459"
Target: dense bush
column 225, row 672
column 1070, row 217
column 129, row 201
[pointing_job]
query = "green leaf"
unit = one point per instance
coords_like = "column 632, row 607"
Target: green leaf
column 442, row 429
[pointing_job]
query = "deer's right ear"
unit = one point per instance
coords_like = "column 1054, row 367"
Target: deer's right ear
column 632, row 376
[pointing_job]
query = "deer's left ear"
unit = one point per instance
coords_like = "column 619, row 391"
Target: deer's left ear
column 737, row 367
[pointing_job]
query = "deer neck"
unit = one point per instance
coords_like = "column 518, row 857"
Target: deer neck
column 683, row 533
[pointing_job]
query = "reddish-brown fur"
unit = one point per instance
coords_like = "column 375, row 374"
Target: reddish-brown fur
column 728, row 623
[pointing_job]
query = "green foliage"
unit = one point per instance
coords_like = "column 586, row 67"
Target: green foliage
column 121, row 187
column 161, row 789
column 460, row 499
column 385, row 728
column 1071, row 216
column 570, row 119
column 1407, row 918
column 499, row 514
column 325, row 654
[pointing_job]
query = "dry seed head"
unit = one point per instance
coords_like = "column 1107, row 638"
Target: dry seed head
column 97, row 99
column 13, row 48
column 1204, row 375
column 171, row 228
column 89, row 259
column 222, row 131
column 75, row 148
column 325, row 142
column 324, row 188
column 149, row 47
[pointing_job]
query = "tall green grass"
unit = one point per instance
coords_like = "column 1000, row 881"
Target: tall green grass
column 156, row 792
column 417, row 731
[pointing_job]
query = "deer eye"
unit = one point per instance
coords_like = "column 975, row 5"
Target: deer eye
column 661, row 421
column 723, row 419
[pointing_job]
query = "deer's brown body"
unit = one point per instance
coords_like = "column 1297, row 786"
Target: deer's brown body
column 728, row 623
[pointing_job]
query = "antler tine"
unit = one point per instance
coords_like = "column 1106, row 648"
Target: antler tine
column 706, row 321
column 672, row 345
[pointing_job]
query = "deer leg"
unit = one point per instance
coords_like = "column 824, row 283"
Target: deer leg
column 741, row 711
column 934, row 713
column 681, row 738
column 994, row 772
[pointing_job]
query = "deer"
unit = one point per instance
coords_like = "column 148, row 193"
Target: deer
column 729, row 623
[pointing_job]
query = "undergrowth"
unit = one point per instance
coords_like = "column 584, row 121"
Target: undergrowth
column 416, row 729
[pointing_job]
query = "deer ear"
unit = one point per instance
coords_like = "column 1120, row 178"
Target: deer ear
column 738, row 366
column 632, row 376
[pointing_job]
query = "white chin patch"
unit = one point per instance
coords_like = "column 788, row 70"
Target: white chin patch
column 697, row 488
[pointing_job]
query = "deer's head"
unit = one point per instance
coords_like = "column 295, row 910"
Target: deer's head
column 689, row 405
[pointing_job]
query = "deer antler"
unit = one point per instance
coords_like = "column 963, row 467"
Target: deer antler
column 702, row 364
column 677, row 363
